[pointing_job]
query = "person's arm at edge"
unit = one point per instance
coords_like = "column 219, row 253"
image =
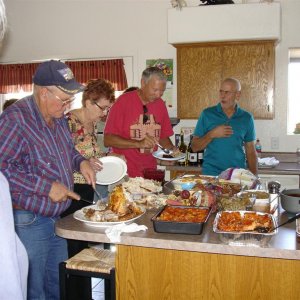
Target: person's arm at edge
column 251, row 156
column 200, row 143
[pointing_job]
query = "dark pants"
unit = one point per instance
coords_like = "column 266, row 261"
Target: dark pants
column 80, row 287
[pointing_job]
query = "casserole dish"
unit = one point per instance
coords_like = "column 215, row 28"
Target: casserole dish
column 245, row 238
column 181, row 219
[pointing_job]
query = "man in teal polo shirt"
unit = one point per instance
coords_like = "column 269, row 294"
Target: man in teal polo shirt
column 227, row 133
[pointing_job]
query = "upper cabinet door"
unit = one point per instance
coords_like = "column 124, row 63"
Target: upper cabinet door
column 202, row 67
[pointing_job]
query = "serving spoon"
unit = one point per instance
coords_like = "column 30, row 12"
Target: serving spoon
column 267, row 230
column 167, row 151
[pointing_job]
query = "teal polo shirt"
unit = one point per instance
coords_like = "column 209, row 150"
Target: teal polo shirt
column 223, row 153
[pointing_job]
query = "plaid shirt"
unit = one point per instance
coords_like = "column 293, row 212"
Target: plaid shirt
column 34, row 155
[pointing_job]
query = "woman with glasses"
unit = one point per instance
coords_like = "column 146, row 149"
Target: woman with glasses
column 97, row 99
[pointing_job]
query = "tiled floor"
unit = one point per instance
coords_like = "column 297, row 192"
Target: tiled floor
column 98, row 288
column 98, row 283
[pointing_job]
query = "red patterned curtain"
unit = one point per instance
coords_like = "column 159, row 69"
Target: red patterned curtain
column 112, row 70
column 14, row 77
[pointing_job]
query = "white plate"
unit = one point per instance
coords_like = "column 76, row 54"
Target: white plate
column 159, row 154
column 114, row 169
column 79, row 215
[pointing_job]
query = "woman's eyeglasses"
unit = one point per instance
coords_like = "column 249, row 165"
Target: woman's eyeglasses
column 145, row 116
column 105, row 110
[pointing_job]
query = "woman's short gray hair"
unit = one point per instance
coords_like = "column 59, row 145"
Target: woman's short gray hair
column 153, row 71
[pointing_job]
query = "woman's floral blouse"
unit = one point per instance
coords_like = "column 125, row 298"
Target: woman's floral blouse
column 85, row 142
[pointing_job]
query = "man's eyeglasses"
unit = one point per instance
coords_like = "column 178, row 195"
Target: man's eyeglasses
column 105, row 110
column 145, row 116
column 63, row 102
column 226, row 92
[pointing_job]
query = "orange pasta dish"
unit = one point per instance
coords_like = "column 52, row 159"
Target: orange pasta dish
column 239, row 222
column 178, row 214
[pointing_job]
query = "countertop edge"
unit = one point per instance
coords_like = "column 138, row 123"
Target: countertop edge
column 73, row 229
column 253, row 251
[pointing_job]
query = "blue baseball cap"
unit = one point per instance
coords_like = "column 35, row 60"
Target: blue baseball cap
column 54, row 72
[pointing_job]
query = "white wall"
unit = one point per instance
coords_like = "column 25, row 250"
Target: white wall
column 42, row 29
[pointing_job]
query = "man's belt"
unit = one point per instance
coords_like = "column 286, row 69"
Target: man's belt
column 16, row 206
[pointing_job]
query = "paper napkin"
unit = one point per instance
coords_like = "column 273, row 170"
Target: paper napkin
column 114, row 232
column 268, row 161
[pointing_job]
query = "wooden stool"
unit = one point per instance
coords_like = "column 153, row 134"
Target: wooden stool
column 90, row 262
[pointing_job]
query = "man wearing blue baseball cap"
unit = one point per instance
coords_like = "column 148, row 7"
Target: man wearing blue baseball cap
column 38, row 158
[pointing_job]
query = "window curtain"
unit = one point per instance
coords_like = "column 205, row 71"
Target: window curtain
column 14, row 77
column 112, row 70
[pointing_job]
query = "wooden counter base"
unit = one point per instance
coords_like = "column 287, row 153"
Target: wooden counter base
column 148, row 273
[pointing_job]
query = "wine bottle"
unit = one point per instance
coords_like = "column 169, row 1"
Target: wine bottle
column 192, row 156
column 182, row 148
column 200, row 155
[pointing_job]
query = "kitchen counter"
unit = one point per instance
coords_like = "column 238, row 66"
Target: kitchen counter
column 283, row 168
column 282, row 245
column 287, row 166
column 152, row 265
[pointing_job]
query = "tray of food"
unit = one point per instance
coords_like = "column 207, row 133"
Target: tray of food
column 233, row 203
column 259, row 198
column 93, row 216
column 245, row 227
column 225, row 187
column 181, row 219
column 138, row 186
column 184, row 198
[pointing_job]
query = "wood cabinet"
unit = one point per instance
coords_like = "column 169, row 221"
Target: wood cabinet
column 202, row 67
column 148, row 273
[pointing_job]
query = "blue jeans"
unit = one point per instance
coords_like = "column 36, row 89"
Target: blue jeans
column 45, row 251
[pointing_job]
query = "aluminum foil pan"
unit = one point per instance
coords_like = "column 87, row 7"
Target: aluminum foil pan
column 246, row 238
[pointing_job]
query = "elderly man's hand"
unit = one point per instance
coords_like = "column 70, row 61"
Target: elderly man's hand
column 88, row 172
column 60, row 193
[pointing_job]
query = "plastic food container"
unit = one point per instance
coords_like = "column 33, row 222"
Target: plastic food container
column 232, row 203
column 187, row 185
column 262, row 199
column 179, row 227
column 245, row 238
column 187, row 182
